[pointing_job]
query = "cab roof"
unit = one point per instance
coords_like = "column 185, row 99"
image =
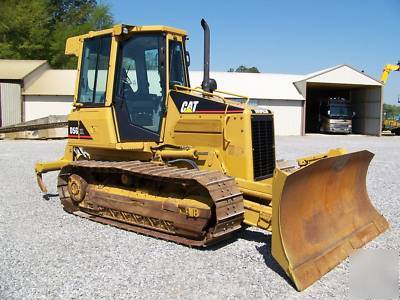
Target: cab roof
column 72, row 44
column 126, row 29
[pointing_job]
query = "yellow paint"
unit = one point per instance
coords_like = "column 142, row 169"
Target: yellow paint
column 387, row 70
column 303, row 161
column 258, row 215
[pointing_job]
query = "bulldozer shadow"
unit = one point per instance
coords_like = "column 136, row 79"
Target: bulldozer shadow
column 49, row 196
column 265, row 250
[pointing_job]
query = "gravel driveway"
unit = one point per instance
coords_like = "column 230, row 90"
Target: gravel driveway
column 47, row 253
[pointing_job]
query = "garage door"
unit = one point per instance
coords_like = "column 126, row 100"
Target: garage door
column 10, row 103
column 365, row 101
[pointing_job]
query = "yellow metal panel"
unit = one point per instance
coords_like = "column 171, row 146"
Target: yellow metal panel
column 200, row 139
column 100, row 125
column 73, row 46
column 237, row 148
column 111, row 72
column 257, row 215
column 212, row 126
column 119, row 30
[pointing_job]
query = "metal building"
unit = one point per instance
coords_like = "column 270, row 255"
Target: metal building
column 294, row 98
column 30, row 90
column 364, row 92
column 272, row 91
column 15, row 75
column 50, row 94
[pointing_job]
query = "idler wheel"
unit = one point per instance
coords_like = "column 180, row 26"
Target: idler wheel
column 77, row 187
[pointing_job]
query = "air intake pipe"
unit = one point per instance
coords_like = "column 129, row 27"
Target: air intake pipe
column 208, row 84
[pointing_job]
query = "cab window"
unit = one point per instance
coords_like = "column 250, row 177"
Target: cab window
column 94, row 71
column 140, row 80
column 177, row 67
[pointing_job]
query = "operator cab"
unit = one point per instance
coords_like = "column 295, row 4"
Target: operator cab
column 140, row 87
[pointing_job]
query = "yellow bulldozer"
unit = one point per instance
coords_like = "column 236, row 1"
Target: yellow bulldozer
column 148, row 153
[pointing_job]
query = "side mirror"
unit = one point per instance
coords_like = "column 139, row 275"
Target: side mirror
column 354, row 113
column 187, row 54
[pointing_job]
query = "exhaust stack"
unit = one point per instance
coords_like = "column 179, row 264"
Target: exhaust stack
column 208, row 85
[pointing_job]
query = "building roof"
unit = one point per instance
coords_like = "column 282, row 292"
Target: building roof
column 282, row 86
column 254, row 85
column 341, row 74
column 53, row 82
column 12, row 69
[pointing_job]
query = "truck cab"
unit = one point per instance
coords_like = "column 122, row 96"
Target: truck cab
column 335, row 115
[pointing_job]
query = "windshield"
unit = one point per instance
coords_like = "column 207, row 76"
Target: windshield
column 340, row 111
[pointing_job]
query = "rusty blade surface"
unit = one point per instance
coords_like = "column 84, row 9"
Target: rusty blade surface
column 321, row 213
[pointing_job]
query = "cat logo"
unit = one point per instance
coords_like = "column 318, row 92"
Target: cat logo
column 189, row 106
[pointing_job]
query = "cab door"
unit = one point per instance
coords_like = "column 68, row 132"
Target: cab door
column 140, row 91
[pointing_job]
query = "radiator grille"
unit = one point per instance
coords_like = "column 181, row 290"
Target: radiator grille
column 262, row 131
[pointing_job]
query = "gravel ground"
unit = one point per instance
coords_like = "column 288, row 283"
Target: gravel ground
column 47, row 253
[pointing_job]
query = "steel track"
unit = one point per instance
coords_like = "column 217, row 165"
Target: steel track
column 226, row 211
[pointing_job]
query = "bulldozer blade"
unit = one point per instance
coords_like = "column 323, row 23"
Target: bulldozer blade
column 320, row 214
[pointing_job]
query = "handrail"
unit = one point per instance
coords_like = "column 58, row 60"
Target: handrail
column 233, row 94
column 199, row 90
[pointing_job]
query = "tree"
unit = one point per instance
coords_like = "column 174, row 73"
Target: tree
column 24, row 29
column 38, row 29
column 97, row 18
column 71, row 11
column 244, row 69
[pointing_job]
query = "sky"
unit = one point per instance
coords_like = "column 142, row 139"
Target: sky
column 282, row 36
